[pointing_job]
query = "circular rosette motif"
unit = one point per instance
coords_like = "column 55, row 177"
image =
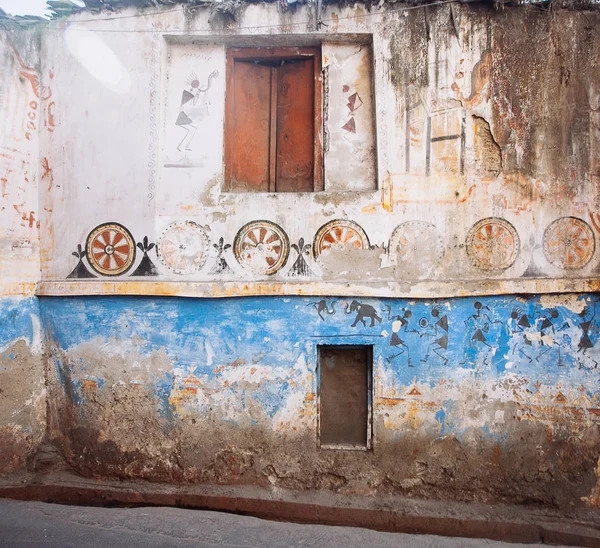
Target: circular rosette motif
column 261, row 247
column 110, row 249
column 416, row 247
column 569, row 243
column 339, row 235
column 493, row 244
column 183, row 247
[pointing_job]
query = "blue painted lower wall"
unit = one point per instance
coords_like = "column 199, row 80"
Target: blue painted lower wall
column 486, row 398
column 22, row 390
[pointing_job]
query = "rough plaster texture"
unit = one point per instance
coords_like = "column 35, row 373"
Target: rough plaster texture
column 22, row 383
column 23, row 114
column 23, row 111
column 451, row 158
column 226, row 391
column 436, row 122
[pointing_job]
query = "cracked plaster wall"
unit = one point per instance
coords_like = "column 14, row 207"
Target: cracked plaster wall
column 465, row 128
column 23, row 111
column 226, row 391
column 460, row 143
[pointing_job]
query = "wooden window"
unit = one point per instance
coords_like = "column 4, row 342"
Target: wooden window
column 345, row 396
column 273, row 120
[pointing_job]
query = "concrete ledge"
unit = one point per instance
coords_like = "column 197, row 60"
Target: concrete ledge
column 390, row 514
column 428, row 289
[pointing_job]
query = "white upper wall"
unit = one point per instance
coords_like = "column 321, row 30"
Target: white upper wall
column 25, row 111
column 430, row 152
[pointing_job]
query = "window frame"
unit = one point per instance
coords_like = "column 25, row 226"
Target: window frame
column 272, row 54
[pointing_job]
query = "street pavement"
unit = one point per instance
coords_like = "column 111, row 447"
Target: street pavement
column 37, row 524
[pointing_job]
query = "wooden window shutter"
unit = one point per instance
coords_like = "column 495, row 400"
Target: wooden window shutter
column 295, row 127
column 272, row 120
column 248, row 125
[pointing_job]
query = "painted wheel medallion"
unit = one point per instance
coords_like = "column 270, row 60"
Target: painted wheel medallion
column 417, row 247
column 493, row 244
column 110, row 249
column 339, row 235
column 569, row 243
column 183, row 247
column 261, row 247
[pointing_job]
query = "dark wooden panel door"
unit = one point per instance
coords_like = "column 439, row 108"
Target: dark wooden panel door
column 295, row 126
column 249, row 126
column 344, row 395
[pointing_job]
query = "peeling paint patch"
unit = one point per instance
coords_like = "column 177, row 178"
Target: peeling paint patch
column 223, row 390
column 573, row 302
column 19, row 321
column 22, row 383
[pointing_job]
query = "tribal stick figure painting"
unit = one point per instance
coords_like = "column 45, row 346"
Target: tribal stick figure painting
column 519, row 327
column 553, row 334
column 479, row 330
column 439, row 332
column 400, row 324
column 589, row 332
column 193, row 108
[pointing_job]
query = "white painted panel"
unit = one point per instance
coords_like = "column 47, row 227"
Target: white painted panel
column 350, row 147
column 193, row 118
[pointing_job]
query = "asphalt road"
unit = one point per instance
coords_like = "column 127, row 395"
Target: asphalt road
column 37, row 524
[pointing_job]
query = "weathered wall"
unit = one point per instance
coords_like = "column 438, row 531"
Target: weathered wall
column 22, row 382
column 23, row 111
column 454, row 165
column 225, row 391
column 482, row 163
